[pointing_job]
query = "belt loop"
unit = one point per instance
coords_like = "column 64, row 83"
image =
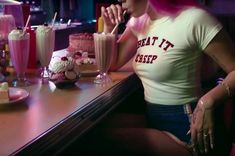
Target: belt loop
column 188, row 111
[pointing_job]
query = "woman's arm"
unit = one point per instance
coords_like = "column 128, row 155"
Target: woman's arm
column 126, row 49
column 222, row 50
column 113, row 15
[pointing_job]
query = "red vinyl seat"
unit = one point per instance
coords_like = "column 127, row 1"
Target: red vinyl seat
column 233, row 150
column 229, row 117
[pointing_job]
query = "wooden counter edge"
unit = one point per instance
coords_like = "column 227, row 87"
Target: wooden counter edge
column 65, row 132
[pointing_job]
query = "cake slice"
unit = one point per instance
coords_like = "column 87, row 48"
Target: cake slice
column 85, row 62
column 4, row 92
column 81, row 42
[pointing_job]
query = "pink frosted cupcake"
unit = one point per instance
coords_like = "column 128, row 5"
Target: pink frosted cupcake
column 64, row 71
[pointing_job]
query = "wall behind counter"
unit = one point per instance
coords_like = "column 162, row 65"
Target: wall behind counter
column 225, row 12
column 226, row 16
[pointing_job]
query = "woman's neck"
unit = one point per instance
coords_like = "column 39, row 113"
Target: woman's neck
column 153, row 15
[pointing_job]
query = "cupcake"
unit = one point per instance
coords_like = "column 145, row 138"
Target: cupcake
column 64, row 70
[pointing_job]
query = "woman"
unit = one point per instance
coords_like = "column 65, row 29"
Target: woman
column 167, row 40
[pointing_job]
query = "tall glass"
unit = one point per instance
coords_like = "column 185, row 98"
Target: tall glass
column 19, row 51
column 7, row 24
column 105, row 46
column 45, row 43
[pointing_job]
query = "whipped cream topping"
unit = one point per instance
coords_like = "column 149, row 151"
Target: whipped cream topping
column 87, row 60
column 62, row 65
column 43, row 29
column 18, row 34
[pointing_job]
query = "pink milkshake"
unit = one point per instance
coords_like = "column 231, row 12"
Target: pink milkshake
column 105, row 46
column 7, row 23
column 19, row 51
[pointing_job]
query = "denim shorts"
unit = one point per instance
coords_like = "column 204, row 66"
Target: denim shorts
column 171, row 118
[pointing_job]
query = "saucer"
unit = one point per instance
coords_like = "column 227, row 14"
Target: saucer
column 16, row 95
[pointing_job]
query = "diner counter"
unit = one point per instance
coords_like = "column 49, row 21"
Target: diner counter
column 51, row 118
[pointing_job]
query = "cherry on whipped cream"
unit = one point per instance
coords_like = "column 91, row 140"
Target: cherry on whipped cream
column 64, row 58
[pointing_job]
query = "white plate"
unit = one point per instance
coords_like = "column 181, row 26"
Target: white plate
column 16, row 95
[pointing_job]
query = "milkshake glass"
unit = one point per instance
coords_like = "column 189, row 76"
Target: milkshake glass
column 7, row 24
column 105, row 47
column 45, row 42
column 19, row 50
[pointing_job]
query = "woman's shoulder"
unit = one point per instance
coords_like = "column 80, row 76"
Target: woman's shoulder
column 196, row 14
column 194, row 10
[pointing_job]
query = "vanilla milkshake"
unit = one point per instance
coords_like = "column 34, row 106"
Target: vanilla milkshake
column 45, row 42
column 105, row 46
column 19, row 50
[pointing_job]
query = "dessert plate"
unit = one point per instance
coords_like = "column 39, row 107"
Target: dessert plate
column 16, row 95
column 87, row 73
column 63, row 84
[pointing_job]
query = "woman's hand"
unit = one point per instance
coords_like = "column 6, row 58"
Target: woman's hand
column 202, row 127
column 112, row 15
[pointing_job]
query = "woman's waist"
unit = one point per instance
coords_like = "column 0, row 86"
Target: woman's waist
column 187, row 108
column 170, row 100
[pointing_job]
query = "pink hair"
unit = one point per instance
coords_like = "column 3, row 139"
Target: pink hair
column 166, row 7
column 171, row 7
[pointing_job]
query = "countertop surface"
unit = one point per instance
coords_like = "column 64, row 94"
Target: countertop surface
column 49, row 113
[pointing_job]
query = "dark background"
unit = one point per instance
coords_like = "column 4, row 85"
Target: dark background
column 89, row 10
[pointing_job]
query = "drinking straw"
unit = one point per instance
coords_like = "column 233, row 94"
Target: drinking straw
column 117, row 24
column 26, row 24
column 115, row 28
column 53, row 21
